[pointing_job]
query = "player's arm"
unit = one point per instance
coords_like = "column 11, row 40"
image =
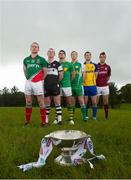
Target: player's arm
column 72, row 75
column 83, row 72
column 60, row 75
column 44, row 72
column 109, row 73
column 96, row 70
column 44, row 64
column 108, row 78
column 60, row 72
column 72, row 70
column 96, row 73
column 24, row 69
column 83, row 75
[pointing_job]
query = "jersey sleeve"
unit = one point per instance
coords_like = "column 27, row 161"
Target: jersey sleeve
column 82, row 67
column 96, row 67
column 109, row 71
column 24, row 62
column 60, row 67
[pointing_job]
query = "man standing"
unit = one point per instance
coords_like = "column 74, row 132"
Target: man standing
column 65, row 83
column 104, row 73
column 90, row 75
column 76, row 84
column 35, row 70
column 51, row 86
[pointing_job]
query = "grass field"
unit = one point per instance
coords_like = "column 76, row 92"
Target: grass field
column 20, row 145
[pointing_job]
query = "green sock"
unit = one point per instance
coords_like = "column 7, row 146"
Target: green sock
column 83, row 110
column 87, row 111
column 71, row 114
column 73, row 108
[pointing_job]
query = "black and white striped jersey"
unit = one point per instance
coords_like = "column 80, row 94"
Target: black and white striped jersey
column 52, row 78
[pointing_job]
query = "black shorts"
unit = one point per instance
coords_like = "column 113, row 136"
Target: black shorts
column 55, row 91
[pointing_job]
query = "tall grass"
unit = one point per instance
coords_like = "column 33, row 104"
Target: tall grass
column 19, row 144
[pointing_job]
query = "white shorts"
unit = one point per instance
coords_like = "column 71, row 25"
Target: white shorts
column 102, row 90
column 34, row 88
column 66, row 91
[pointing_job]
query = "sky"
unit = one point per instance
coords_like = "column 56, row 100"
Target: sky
column 80, row 25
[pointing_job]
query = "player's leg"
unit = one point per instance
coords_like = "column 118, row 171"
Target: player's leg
column 105, row 94
column 47, row 101
column 61, row 94
column 98, row 94
column 70, row 109
column 83, row 107
column 86, row 94
column 29, row 100
column 73, row 99
column 97, row 99
column 94, row 106
column 94, row 101
column 57, row 102
column 28, row 109
column 79, row 92
column 40, row 100
column 106, row 105
column 39, row 92
column 68, row 95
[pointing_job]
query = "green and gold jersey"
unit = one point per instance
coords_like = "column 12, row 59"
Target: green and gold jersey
column 34, row 68
column 67, row 70
column 77, row 81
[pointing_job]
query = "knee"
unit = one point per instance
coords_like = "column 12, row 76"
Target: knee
column 41, row 103
column 28, row 103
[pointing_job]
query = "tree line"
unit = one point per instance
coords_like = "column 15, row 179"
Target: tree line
column 14, row 97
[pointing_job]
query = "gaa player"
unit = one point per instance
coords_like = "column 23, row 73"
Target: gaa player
column 51, row 86
column 65, row 83
column 104, row 73
column 76, row 84
column 35, row 70
column 90, row 75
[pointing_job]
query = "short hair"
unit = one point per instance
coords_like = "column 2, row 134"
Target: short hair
column 35, row 43
column 74, row 52
column 51, row 49
column 87, row 52
column 102, row 53
column 62, row 52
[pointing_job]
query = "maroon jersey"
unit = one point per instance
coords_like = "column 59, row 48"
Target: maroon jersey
column 104, row 72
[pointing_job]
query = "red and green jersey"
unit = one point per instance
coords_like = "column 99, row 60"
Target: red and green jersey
column 77, row 81
column 34, row 68
column 67, row 70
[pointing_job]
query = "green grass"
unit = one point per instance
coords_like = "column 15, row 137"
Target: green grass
column 19, row 145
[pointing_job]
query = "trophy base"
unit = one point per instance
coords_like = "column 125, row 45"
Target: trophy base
column 64, row 160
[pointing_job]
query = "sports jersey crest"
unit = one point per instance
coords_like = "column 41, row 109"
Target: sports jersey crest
column 65, row 69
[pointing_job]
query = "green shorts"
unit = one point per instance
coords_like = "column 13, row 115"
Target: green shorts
column 77, row 91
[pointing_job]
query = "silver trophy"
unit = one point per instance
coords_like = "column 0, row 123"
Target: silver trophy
column 68, row 141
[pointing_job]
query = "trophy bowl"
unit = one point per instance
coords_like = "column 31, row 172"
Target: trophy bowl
column 67, row 142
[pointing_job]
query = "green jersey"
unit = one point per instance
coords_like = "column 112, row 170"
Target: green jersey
column 67, row 70
column 34, row 68
column 77, row 81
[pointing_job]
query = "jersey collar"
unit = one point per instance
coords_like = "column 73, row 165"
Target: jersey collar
column 87, row 63
column 34, row 57
column 51, row 61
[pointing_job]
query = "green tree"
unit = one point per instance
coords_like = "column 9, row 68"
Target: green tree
column 14, row 90
column 125, row 92
column 114, row 98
